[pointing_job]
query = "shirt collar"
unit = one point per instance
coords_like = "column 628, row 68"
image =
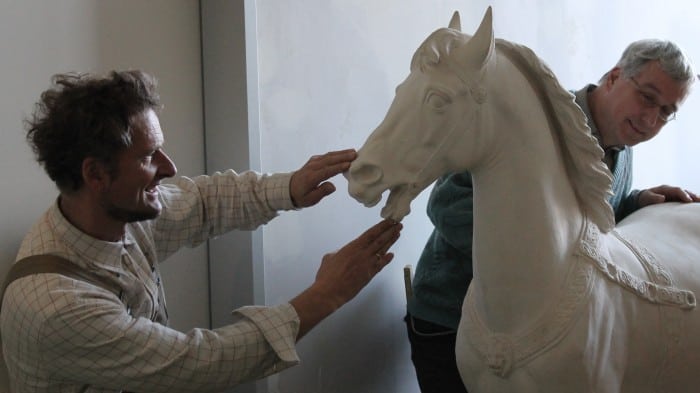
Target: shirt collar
column 95, row 252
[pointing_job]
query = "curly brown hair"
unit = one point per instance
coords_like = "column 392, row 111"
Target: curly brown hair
column 84, row 115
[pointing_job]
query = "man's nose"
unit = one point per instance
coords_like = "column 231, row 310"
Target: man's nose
column 652, row 115
column 166, row 166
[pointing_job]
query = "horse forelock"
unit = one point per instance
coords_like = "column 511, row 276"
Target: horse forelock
column 581, row 152
column 437, row 46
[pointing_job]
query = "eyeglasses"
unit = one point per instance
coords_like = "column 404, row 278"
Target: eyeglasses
column 648, row 99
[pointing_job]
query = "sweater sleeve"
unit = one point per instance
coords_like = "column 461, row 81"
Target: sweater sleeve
column 629, row 205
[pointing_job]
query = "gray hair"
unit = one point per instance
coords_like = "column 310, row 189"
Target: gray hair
column 670, row 56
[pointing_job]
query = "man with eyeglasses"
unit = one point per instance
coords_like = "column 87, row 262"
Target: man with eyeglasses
column 633, row 101
column 631, row 104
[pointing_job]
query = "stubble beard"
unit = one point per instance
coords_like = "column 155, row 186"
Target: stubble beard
column 128, row 215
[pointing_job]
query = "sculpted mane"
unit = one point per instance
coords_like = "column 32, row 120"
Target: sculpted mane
column 582, row 154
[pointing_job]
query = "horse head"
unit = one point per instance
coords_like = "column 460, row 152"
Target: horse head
column 433, row 107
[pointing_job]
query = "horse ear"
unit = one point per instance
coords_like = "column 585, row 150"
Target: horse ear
column 455, row 22
column 477, row 51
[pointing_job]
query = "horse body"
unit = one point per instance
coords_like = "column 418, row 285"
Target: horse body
column 607, row 329
column 560, row 301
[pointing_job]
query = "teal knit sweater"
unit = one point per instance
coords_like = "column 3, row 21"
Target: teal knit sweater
column 444, row 270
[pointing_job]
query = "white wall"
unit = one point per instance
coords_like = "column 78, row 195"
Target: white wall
column 40, row 38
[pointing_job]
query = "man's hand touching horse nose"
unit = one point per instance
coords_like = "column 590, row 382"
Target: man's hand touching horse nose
column 308, row 185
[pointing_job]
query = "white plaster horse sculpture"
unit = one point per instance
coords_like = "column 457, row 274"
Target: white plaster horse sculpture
column 562, row 300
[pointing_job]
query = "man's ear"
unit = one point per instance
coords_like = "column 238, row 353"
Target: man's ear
column 613, row 76
column 95, row 174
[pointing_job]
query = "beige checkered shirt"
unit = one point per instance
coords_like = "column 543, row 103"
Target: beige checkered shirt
column 64, row 335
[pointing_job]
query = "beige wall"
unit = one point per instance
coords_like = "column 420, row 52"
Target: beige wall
column 40, row 38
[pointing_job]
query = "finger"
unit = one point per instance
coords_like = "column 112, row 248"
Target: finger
column 336, row 157
column 383, row 238
column 326, row 171
column 685, row 196
column 386, row 243
column 382, row 255
column 382, row 261
column 333, row 170
column 332, row 158
column 693, row 196
column 676, row 194
column 364, row 241
column 377, row 262
column 314, row 196
column 340, row 155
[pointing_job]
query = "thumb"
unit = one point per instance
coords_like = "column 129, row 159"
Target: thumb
column 319, row 193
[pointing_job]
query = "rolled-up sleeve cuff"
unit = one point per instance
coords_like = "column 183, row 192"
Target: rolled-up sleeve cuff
column 277, row 191
column 279, row 325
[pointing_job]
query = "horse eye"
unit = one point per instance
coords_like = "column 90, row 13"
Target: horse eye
column 438, row 101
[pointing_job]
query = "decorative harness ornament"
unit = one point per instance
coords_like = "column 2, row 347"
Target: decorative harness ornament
column 504, row 352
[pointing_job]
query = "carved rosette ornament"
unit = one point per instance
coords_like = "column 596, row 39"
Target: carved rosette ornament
column 499, row 354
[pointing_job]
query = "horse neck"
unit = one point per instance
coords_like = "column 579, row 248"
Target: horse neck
column 526, row 217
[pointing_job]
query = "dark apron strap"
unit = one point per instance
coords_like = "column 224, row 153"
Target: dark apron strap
column 46, row 263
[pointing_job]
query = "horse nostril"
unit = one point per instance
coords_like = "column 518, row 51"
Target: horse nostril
column 366, row 174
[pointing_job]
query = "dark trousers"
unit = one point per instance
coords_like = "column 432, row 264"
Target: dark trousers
column 433, row 356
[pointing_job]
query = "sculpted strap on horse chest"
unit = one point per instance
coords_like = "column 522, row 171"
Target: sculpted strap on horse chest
column 504, row 352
